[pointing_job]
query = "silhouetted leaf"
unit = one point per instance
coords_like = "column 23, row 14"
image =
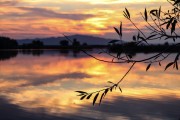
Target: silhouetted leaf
column 173, row 26
column 95, row 98
column 120, row 29
column 174, row 65
column 177, row 57
column 111, row 89
column 130, row 56
column 82, row 97
column 164, row 23
column 176, row 2
column 159, row 12
column 101, row 99
column 151, row 36
column 120, row 89
column 134, row 38
column 148, row 67
column 153, row 12
column 117, row 31
column 110, row 82
column 173, row 38
column 89, row 96
column 118, row 54
column 169, row 22
column 128, row 14
column 143, row 39
column 81, row 92
column 159, row 63
column 106, row 91
column 138, row 36
column 145, row 14
column 168, row 65
column 177, row 65
column 125, row 15
column 163, row 30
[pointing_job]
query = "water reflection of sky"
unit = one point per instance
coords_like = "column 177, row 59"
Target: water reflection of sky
column 42, row 87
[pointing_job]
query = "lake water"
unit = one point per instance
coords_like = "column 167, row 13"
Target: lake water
column 41, row 85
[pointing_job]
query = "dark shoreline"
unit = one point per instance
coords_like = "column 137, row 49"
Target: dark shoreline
column 110, row 48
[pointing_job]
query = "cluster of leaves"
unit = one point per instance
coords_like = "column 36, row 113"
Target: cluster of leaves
column 119, row 32
column 176, row 2
column 162, row 23
column 174, row 63
column 101, row 93
column 161, row 26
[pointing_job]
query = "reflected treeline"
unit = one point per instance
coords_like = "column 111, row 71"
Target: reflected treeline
column 8, row 54
column 61, row 52
column 31, row 52
column 4, row 55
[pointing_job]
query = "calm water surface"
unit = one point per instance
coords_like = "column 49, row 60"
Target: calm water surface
column 40, row 86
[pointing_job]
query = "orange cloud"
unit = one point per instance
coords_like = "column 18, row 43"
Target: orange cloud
column 42, row 18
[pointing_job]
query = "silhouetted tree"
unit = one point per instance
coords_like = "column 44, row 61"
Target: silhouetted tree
column 8, row 43
column 64, row 43
column 84, row 44
column 36, row 44
column 75, row 43
column 162, row 25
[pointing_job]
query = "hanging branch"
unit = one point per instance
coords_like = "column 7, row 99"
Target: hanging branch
column 163, row 21
column 103, row 92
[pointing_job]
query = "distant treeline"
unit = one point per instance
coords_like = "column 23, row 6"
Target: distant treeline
column 63, row 44
column 131, row 47
column 8, row 43
column 36, row 44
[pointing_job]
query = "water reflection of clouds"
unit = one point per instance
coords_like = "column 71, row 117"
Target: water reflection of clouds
column 143, row 109
column 48, row 84
column 123, row 107
column 10, row 111
column 35, row 80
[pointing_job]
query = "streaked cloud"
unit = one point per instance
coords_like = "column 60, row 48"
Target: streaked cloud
column 27, row 12
column 9, row 2
column 70, row 17
column 37, row 80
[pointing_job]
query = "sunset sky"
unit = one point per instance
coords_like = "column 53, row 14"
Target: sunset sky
column 44, row 18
